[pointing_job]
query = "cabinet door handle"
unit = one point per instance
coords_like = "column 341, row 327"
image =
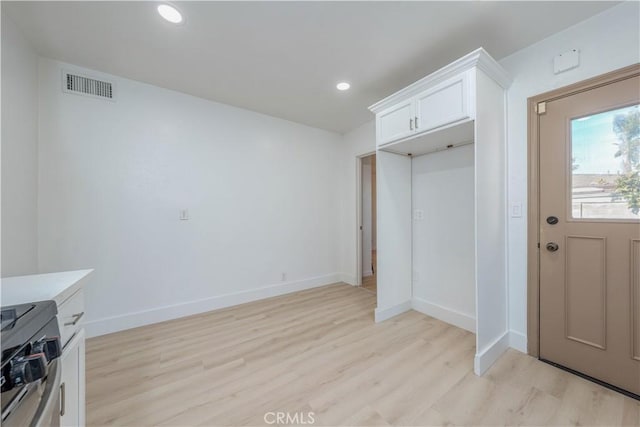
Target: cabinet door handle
column 416, row 122
column 76, row 319
column 410, row 124
column 63, row 402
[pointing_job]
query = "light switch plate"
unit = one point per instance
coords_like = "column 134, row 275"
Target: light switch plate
column 516, row 210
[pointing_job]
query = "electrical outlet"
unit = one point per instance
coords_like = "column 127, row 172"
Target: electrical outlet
column 284, row 277
column 418, row 214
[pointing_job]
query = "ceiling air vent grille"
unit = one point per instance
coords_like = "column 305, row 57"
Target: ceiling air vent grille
column 74, row 83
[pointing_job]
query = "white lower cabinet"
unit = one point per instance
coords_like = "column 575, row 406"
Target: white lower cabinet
column 72, row 411
column 70, row 319
column 66, row 288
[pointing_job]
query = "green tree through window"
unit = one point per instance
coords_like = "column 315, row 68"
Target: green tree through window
column 627, row 129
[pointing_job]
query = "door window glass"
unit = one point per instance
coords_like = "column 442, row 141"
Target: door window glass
column 605, row 165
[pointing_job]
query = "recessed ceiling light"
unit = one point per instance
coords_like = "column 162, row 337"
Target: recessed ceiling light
column 343, row 86
column 170, row 13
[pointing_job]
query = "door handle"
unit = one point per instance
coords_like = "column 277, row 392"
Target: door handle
column 63, row 399
column 76, row 319
column 552, row 246
column 410, row 124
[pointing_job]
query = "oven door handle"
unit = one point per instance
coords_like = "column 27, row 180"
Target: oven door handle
column 50, row 402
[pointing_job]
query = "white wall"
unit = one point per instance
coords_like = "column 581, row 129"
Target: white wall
column 261, row 193
column 393, row 172
column 443, row 241
column 19, row 152
column 607, row 41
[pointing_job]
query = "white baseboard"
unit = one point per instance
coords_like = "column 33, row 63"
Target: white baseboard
column 387, row 313
column 146, row 317
column 518, row 341
column 348, row 278
column 487, row 357
column 445, row 314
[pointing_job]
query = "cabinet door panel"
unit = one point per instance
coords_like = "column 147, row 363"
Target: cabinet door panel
column 69, row 388
column 395, row 123
column 72, row 384
column 444, row 104
column 81, row 379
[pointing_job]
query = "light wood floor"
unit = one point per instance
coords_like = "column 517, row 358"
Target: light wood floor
column 320, row 351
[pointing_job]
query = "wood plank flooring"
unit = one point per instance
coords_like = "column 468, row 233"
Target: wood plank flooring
column 320, row 351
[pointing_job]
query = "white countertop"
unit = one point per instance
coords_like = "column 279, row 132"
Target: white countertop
column 40, row 287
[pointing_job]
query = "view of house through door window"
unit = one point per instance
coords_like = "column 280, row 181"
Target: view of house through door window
column 368, row 224
column 590, row 233
column 606, row 164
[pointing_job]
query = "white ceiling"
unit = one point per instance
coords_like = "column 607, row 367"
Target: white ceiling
column 284, row 59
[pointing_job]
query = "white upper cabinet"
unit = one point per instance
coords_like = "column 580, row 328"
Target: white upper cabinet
column 443, row 104
column 448, row 102
column 396, row 122
column 435, row 103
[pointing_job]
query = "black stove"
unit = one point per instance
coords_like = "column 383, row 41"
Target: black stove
column 30, row 374
column 10, row 316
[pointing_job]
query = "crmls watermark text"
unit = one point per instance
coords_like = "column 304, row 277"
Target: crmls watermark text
column 284, row 418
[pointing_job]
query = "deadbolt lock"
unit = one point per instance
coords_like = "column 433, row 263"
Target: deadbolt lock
column 552, row 220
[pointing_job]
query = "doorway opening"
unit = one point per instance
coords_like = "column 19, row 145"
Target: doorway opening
column 367, row 264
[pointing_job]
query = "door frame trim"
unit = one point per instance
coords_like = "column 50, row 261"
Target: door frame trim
column 533, row 196
column 359, row 158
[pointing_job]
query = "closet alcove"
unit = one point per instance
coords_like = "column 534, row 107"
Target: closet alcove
column 441, row 180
